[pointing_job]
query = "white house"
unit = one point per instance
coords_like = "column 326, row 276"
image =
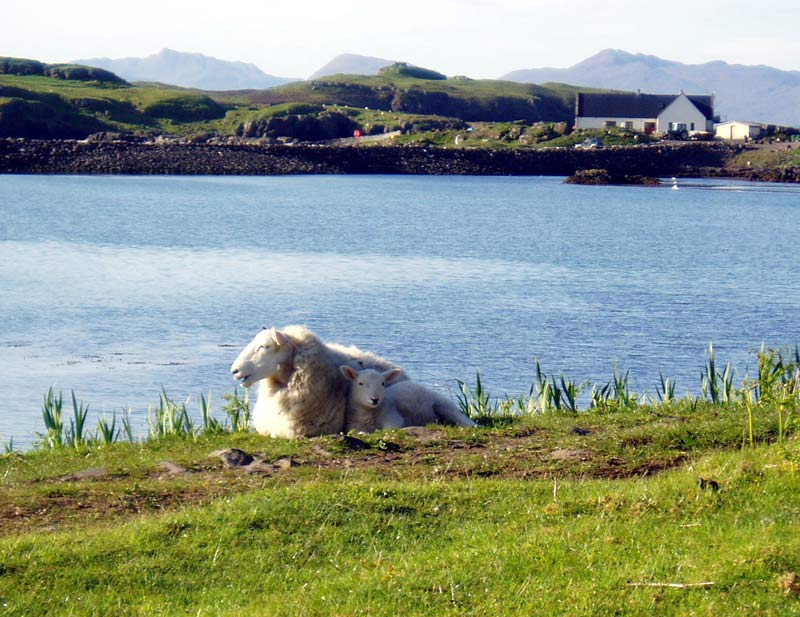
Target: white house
column 649, row 113
column 737, row 130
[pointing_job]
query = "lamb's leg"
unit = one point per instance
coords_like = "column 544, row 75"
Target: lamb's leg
column 448, row 413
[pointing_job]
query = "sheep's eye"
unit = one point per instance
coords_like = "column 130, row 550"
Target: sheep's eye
column 383, row 383
column 360, row 383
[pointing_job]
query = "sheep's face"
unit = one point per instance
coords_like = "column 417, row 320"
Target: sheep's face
column 267, row 355
column 368, row 387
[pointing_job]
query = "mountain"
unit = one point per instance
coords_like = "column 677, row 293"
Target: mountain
column 189, row 70
column 752, row 93
column 352, row 64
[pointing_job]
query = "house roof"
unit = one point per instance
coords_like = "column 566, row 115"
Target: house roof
column 742, row 122
column 634, row 105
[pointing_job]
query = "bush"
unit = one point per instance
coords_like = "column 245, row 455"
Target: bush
column 189, row 108
column 401, row 69
column 78, row 72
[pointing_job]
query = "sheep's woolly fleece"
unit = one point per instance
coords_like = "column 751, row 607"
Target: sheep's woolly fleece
column 313, row 400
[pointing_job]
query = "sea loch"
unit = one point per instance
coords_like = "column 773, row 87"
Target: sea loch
column 116, row 286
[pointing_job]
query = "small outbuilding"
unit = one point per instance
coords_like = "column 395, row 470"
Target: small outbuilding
column 649, row 113
column 736, row 130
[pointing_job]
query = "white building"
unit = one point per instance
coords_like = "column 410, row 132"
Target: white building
column 736, row 130
column 649, row 113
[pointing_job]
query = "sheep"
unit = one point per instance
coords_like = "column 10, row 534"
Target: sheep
column 365, row 413
column 301, row 393
column 380, row 400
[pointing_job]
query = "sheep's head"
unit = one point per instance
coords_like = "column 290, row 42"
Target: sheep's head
column 267, row 355
column 369, row 385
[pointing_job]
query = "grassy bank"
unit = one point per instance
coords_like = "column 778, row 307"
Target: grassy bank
column 678, row 507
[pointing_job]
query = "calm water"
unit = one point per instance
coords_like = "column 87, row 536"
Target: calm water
column 115, row 286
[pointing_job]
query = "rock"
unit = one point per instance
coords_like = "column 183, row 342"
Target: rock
column 604, row 177
column 96, row 473
column 172, row 469
column 285, row 463
column 424, row 434
column 570, row 454
column 233, row 458
column 353, row 443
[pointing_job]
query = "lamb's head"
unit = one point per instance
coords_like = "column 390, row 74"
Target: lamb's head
column 269, row 354
column 369, row 385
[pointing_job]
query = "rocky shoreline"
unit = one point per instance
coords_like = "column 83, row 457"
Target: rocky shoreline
column 20, row 156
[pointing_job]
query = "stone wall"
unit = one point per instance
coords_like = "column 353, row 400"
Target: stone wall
column 77, row 157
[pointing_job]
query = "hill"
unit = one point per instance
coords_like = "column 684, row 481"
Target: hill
column 408, row 89
column 351, row 64
column 71, row 101
column 189, row 70
column 753, row 93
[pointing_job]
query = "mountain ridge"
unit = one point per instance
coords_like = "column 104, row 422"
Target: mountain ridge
column 756, row 93
column 351, row 64
column 189, row 70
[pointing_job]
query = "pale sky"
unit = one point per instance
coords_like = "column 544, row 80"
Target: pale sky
column 477, row 38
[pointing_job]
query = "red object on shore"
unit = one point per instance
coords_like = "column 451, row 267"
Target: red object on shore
column 357, row 133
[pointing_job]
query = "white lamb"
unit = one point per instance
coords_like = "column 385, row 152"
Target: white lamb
column 378, row 400
column 302, row 391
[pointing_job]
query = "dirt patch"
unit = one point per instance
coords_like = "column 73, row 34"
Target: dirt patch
column 418, row 454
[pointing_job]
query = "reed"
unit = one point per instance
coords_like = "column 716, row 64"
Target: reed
column 665, row 390
column 237, row 410
column 169, row 418
column 52, row 408
column 717, row 386
column 211, row 425
column 75, row 435
column 475, row 402
column 107, row 432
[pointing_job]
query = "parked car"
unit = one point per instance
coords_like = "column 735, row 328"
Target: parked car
column 590, row 144
column 701, row 136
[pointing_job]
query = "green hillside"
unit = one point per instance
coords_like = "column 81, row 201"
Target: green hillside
column 411, row 104
column 402, row 88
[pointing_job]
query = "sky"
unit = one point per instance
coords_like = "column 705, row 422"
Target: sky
column 477, row 38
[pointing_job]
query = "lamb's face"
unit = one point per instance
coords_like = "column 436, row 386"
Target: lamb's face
column 368, row 387
column 265, row 356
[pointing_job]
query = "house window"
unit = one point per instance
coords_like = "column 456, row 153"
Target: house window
column 628, row 124
column 691, row 129
column 610, row 123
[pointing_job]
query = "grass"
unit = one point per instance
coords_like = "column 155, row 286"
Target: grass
column 410, row 535
column 540, row 510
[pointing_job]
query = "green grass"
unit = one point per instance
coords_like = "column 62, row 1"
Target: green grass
column 636, row 505
column 352, row 541
column 767, row 159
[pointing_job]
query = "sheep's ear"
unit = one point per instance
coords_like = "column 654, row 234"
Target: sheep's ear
column 392, row 375
column 349, row 372
column 279, row 337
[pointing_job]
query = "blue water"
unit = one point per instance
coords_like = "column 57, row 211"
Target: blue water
column 116, row 286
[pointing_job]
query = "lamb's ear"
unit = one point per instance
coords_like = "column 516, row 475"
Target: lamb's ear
column 280, row 338
column 392, row 375
column 349, row 372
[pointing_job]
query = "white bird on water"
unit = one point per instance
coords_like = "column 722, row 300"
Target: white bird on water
column 674, row 184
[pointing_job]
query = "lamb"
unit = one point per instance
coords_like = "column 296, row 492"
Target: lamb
column 380, row 400
column 302, row 393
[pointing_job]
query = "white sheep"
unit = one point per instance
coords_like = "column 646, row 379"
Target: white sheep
column 302, row 391
column 379, row 400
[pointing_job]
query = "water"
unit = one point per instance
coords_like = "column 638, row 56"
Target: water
column 116, row 286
